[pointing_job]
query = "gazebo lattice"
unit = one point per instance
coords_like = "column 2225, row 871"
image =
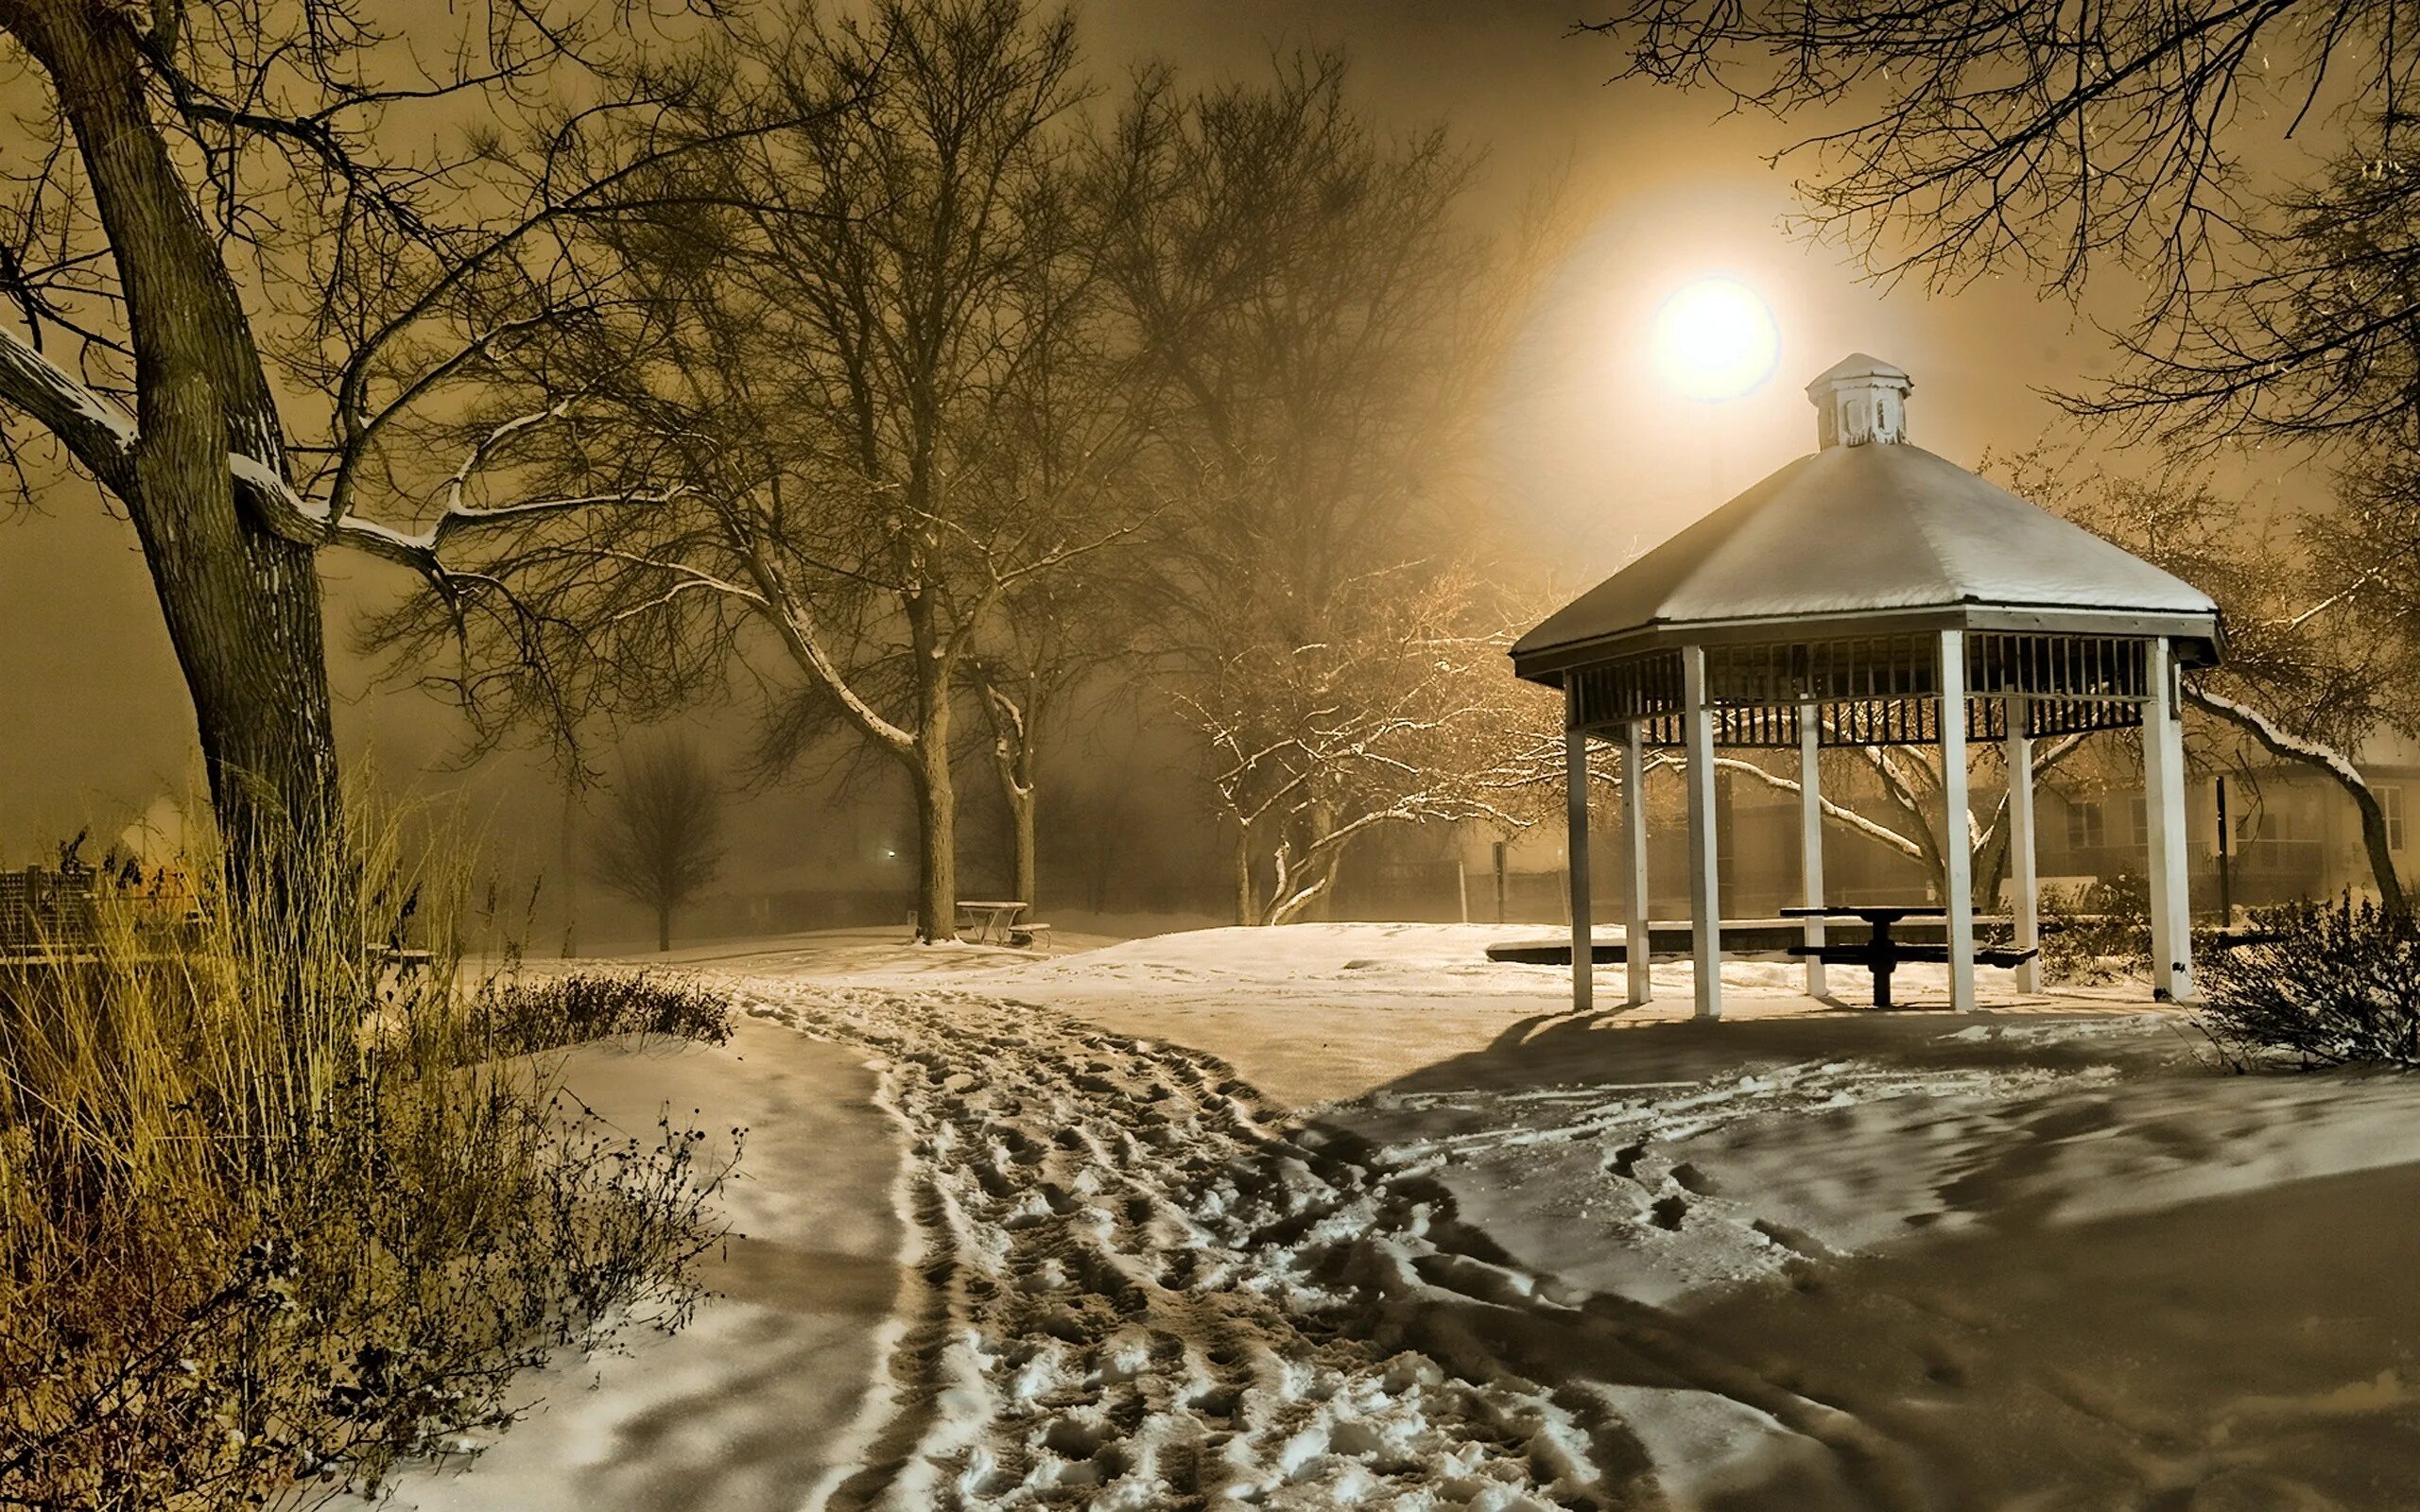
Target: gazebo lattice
column 1853, row 598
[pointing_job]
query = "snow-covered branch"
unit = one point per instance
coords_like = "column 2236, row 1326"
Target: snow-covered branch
column 96, row 431
column 263, row 487
column 1846, row 817
column 2276, row 738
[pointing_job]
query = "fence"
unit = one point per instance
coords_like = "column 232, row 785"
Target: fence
column 47, row 910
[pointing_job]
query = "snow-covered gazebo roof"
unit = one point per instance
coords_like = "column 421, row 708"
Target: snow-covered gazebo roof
column 1870, row 535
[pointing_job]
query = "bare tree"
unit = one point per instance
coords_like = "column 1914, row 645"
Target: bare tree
column 1914, row 817
column 812, row 378
column 239, row 275
column 659, row 841
column 1068, row 426
column 1301, row 289
column 1047, row 644
column 1300, row 286
column 1405, row 714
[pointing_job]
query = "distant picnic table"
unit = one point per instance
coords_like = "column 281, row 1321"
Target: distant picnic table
column 1880, row 954
column 984, row 917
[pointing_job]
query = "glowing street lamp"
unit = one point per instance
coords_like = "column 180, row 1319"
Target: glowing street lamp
column 1715, row 339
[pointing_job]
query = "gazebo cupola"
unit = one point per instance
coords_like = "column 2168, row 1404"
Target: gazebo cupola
column 1857, row 400
column 1872, row 592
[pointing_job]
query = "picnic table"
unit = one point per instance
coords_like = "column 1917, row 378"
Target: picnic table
column 985, row 917
column 1880, row 954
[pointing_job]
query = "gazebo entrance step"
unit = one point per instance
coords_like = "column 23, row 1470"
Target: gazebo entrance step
column 1741, row 936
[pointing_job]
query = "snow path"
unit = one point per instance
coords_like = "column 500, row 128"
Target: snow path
column 1142, row 1285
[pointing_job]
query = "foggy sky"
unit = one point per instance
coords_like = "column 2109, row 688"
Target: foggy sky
column 1588, row 462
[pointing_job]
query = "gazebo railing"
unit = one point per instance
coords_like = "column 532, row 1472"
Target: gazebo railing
column 1878, row 690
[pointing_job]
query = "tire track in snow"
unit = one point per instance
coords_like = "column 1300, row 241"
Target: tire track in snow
column 1141, row 1286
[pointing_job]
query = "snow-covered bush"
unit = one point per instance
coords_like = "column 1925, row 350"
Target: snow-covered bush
column 2324, row 984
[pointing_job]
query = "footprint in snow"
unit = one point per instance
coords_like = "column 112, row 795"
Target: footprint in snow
column 1692, row 1180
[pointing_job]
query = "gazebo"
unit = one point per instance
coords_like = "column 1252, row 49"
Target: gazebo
column 1872, row 593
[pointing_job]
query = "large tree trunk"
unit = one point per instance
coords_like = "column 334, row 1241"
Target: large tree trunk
column 935, row 821
column 243, row 616
column 1021, row 847
column 242, row 604
column 1990, row 866
column 929, row 774
column 937, row 837
column 663, row 928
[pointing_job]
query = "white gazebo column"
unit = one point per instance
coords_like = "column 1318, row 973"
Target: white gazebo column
column 1584, row 950
column 1810, row 832
column 1957, row 853
column 1636, row 944
column 2024, row 881
column 2164, row 808
column 1705, row 908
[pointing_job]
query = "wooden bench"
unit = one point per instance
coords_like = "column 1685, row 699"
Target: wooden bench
column 1030, row 937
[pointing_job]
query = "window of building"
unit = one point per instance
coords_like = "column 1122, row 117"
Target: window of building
column 2265, row 821
column 2088, row 824
column 2391, row 804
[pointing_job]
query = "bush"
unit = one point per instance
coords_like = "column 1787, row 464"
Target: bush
column 2098, row 932
column 2324, row 983
column 273, row 1211
column 542, row 1013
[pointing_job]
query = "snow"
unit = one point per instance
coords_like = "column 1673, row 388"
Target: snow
column 771, row 1392
column 1347, row 1215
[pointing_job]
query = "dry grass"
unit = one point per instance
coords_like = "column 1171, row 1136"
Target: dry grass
column 537, row 1013
column 273, row 1212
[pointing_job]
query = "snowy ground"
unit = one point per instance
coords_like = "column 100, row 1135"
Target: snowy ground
column 1346, row 1215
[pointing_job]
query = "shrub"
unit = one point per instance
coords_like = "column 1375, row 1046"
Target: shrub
column 2096, row 933
column 274, row 1212
column 541, row 1013
column 2324, row 984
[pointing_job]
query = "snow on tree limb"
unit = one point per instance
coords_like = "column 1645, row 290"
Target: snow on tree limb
column 1399, row 717
column 263, row 486
column 95, row 430
column 1845, row 818
column 2276, row 737
column 101, row 436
